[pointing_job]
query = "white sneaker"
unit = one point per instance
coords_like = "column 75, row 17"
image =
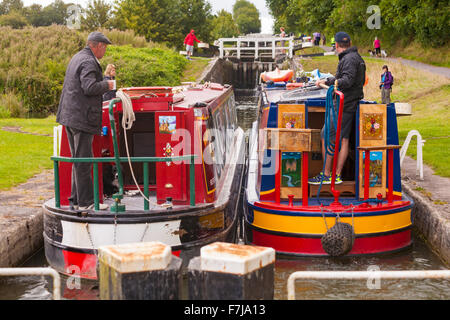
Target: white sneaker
column 102, row 206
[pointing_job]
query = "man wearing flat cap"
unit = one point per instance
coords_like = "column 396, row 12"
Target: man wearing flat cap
column 350, row 76
column 80, row 111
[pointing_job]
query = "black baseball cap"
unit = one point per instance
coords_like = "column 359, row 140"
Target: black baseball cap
column 342, row 36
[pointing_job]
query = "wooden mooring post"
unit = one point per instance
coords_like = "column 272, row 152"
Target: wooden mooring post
column 139, row 271
column 232, row 272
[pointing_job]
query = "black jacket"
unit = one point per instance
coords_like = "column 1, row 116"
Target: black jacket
column 80, row 105
column 351, row 75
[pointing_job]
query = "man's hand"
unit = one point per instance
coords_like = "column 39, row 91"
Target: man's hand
column 320, row 82
column 111, row 84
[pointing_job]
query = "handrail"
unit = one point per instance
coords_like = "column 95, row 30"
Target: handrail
column 354, row 275
column 36, row 272
column 119, row 195
column 420, row 144
column 144, row 160
column 335, row 192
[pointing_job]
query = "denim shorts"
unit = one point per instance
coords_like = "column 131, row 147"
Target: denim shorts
column 190, row 48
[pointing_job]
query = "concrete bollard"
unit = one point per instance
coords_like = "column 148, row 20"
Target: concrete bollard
column 232, row 272
column 139, row 271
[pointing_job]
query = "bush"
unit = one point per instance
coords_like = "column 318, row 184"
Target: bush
column 11, row 106
column 13, row 19
column 145, row 66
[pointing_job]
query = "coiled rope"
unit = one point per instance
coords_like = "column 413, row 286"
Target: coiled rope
column 128, row 119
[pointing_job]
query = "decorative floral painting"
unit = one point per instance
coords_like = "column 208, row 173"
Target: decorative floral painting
column 372, row 126
column 292, row 120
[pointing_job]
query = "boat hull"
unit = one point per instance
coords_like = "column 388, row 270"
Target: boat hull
column 71, row 240
column 379, row 229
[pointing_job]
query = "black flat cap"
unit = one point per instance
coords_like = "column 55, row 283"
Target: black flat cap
column 99, row 37
column 342, row 37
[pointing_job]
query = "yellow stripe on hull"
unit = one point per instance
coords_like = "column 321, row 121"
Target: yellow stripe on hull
column 316, row 225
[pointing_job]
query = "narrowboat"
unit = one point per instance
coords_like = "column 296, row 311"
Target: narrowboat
column 365, row 214
column 172, row 175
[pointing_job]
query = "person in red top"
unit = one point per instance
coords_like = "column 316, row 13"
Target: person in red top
column 189, row 42
column 377, row 46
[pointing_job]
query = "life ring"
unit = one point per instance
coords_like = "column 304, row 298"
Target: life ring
column 277, row 75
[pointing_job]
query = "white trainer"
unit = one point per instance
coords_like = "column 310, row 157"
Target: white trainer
column 102, row 206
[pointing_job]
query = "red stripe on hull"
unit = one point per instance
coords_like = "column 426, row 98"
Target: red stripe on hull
column 82, row 264
column 313, row 246
column 85, row 264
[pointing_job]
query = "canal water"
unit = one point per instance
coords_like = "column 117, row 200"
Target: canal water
column 417, row 257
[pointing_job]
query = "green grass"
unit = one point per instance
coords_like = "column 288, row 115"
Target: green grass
column 431, row 117
column 194, row 69
column 24, row 155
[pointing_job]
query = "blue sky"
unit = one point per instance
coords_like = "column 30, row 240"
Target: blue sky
column 217, row 5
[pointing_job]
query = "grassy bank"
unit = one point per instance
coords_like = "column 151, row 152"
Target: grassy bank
column 24, row 155
column 427, row 93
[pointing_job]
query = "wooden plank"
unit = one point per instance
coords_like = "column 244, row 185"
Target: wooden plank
column 292, row 140
column 387, row 147
column 346, row 188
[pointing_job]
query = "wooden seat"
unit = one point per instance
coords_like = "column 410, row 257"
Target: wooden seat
column 346, row 188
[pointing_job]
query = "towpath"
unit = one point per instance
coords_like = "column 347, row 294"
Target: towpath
column 443, row 71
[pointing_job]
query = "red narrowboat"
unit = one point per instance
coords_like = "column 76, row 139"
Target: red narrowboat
column 365, row 214
column 172, row 175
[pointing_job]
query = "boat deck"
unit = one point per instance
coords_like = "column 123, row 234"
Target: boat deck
column 134, row 203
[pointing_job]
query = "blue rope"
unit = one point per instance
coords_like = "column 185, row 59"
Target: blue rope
column 330, row 119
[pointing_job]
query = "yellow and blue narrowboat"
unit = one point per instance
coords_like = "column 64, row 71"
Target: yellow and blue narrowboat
column 365, row 214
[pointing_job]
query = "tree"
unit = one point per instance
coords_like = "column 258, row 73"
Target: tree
column 7, row 6
column 33, row 14
column 224, row 26
column 157, row 20
column 13, row 19
column 196, row 14
column 247, row 17
column 97, row 15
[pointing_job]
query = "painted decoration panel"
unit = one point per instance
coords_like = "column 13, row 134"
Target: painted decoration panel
column 375, row 169
column 292, row 120
column 291, row 169
column 167, row 124
column 373, row 125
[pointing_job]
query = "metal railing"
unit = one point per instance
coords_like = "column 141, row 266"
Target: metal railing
column 8, row 272
column 145, row 160
column 420, row 144
column 255, row 47
column 363, row 275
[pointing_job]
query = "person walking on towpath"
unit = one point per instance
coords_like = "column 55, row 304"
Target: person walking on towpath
column 377, row 47
column 386, row 85
column 350, row 76
column 80, row 111
column 189, row 42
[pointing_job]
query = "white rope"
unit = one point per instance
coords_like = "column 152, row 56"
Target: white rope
column 127, row 122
